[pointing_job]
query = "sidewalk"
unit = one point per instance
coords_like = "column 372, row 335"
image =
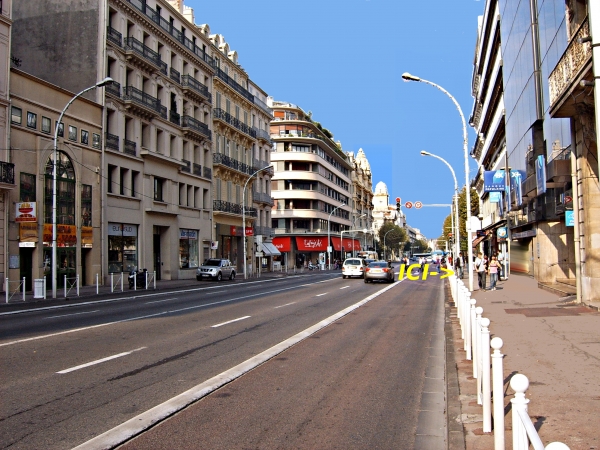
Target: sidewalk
column 556, row 345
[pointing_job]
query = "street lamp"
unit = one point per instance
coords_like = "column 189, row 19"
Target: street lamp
column 384, row 247
column 329, row 234
column 244, row 215
column 408, row 77
column 457, row 230
column 104, row 82
column 354, row 226
column 364, row 230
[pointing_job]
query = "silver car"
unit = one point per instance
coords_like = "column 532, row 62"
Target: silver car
column 379, row 271
column 215, row 268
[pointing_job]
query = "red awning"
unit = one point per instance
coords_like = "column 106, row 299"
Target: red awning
column 347, row 244
column 311, row 243
column 283, row 244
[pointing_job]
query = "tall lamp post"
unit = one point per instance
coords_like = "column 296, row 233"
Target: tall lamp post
column 329, row 234
column 457, row 230
column 104, row 82
column 354, row 226
column 408, row 77
column 244, row 215
column 384, row 247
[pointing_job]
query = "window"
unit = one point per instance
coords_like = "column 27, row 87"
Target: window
column 66, row 192
column 111, row 177
column 86, row 205
column 16, row 115
column 27, row 188
column 46, row 125
column 96, row 140
column 72, row 133
column 31, row 120
column 158, row 189
column 85, row 137
column 61, row 129
column 188, row 249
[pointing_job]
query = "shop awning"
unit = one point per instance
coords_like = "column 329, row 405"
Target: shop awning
column 348, row 244
column 269, row 249
column 283, row 244
column 478, row 240
column 311, row 243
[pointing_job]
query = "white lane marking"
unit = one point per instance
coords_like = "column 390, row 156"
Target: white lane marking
column 147, row 316
column 161, row 301
column 74, row 314
column 287, row 304
column 99, row 361
column 136, row 425
column 345, row 287
column 320, row 295
column 230, row 321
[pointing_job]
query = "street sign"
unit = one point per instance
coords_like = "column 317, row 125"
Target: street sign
column 408, row 205
column 418, row 205
column 398, row 200
column 568, row 199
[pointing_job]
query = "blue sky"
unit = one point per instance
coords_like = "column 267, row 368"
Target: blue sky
column 343, row 60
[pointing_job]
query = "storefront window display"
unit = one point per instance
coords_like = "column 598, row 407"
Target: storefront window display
column 122, row 247
column 188, row 249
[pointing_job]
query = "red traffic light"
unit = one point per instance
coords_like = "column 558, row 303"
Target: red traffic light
column 397, row 199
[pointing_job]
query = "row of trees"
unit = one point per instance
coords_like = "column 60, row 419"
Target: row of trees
column 394, row 241
column 462, row 218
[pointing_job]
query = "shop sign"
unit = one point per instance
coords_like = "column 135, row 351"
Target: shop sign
column 66, row 235
column 26, row 212
column 214, row 245
column 311, row 244
column 87, row 237
column 28, row 232
column 283, row 244
column 569, row 218
column 188, row 234
column 502, row 233
column 122, row 229
column 540, row 174
column 494, row 181
column 524, row 234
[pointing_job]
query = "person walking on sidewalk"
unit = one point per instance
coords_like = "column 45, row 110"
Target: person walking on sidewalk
column 493, row 268
column 481, row 270
column 458, row 265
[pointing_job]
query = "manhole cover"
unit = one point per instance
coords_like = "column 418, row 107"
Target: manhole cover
column 550, row 312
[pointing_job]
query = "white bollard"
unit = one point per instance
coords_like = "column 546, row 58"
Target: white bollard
column 154, row 280
column 470, row 321
column 23, row 288
column 65, row 286
column 97, row 285
column 477, row 351
column 498, row 392
column 556, row 446
column 519, row 383
column 6, row 289
column 77, row 281
column 112, row 282
column 485, row 375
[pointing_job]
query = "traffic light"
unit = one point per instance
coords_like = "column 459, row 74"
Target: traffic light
column 398, row 206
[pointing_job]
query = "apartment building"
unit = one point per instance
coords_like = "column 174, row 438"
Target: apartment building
column 311, row 188
column 361, row 190
column 35, row 107
column 574, row 94
column 520, row 43
column 242, row 146
column 7, row 169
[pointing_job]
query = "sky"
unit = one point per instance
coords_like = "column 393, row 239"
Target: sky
column 343, row 60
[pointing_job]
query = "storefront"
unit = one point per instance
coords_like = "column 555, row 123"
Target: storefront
column 229, row 238
column 122, row 247
column 349, row 246
column 284, row 245
column 188, row 249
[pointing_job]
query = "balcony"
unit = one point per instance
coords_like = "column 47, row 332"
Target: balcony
column 232, row 208
column 262, row 134
column 114, row 36
column 220, row 158
column 144, row 56
column 264, row 231
column 174, row 75
column 261, row 197
column 262, row 105
column 195, row 129
column 129, row 147
column 112, row 141
column 114, row 89
column 175, row 118
column 236, row 123
column 207, row 172
column 571, row 68
column 142, row 103
column 558, row 170
column 260, row 164
column 234, row 85
column 186, row 166
column 195, row 89
column 7, row 173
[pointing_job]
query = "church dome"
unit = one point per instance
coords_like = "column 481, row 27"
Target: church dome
column 381, row 188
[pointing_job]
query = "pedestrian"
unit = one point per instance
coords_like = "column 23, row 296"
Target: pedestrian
column 481, row 270
column 458, row 263
column 501, row 273
column 493, row 268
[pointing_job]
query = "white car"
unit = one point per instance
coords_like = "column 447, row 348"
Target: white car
column 354, row 267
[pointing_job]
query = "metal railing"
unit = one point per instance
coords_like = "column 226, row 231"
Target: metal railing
column 218, row 113
column 262, row 105
column 112, row 141
column 191, row 82
column 175, row 75
column 234, row 85
column 476, row 337
column 129, row 147
column 114, row 88
column 196, row 125
column 261, row 197
column 175, row 118
column 197, row 169
column 7, row 172
column 144, row 99
column 186, row 166
column 233, row 208
column 220, row 158
column 145, row 52
column 114, row 36
column 262, row 134
column 207, row 172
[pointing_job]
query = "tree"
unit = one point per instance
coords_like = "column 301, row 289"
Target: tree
column 393, row 235
column 462, row 215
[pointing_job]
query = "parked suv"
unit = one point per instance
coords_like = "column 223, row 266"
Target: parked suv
column 217, row 269
column 353, row 267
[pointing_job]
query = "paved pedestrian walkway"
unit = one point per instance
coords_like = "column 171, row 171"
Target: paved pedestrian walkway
column 556, row 344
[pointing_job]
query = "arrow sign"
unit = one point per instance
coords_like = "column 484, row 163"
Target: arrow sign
column 418, row 205
column 408, row 205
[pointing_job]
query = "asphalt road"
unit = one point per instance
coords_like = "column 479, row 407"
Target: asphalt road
column 73, row 373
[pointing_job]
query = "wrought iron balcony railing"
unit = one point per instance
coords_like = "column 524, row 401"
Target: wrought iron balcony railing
column 188, row 81
column 186, row 166
column 145, row 52
column 196, row 125
column 114, row 36
column 262, row 105
column 175, row 76
column 264, row 231
column 129, row 147
column 144, row 99
column 232, row 208
column 262, row 134
column 220, row 158
column 197, row 169
column 207, row 172
column 261, row 197
column 175, row 118
column 234, row 85
column 114, row 88
column 112, row 141
column 236, row 123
